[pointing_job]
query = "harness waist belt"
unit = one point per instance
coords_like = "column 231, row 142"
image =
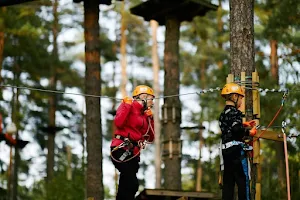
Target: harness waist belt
column 120, row 137
column 230, row 144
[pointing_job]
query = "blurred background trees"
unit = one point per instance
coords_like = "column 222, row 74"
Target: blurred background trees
column 42, row 48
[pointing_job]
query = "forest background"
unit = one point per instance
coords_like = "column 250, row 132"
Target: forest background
column 42, row 46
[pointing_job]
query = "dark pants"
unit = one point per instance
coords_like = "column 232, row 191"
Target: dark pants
column 128, row 182
column 235, row 172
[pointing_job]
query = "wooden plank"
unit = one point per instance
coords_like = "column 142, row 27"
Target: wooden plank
column 269, row 135
column 255, row 95
column 229, row 78
column 256, row 151
column 258, row 191
column 243, row 106
column 174, row 193
column 183, row 198
column 258, row 99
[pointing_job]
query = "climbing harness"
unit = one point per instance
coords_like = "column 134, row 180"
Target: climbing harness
column 130, row 145
column 245, row 146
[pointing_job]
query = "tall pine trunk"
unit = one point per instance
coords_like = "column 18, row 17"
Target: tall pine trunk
column 171, row 126
column 242, row 54
column 16, row 120
column 155, row 65
column 3, row 10
column 123, row 51
column 94, row 184
column 199, row 163
column 220, row 30
column 52, row 97
column 274, row 61
column 279, row 146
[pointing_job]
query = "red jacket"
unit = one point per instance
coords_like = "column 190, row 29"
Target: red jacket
column 132, row 122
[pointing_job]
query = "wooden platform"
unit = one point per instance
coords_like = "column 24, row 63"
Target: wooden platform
column 161, row 194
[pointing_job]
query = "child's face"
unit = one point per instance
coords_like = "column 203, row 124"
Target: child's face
column 239, row 100
column 147, row 97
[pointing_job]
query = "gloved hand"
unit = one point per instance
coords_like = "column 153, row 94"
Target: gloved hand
column 128, row 100
column 253, row 131
column 148, row 112
column 249, row 123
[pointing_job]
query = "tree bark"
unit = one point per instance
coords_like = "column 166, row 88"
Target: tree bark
column 274, row 61
column 171, row 126
column 199, row 163
column 279, row 146
column 242, row 37
column 123, row 52
column 242, row 45
column 220, row 30
column 94, row 184
column 1, row 43
column 1, row 52
column 155, row 66
column 52, row 97
column 242, row 55
column 16, row 120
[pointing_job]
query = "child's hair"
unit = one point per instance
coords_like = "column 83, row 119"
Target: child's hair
column 227, row 97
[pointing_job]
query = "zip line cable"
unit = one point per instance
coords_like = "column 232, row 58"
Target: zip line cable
column 57, row 92
column 201, row 91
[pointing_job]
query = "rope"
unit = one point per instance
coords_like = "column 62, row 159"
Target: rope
column 119, row 161
column 275, row 116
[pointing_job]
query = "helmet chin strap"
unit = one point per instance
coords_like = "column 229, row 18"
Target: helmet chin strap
column 144, row 103
column 235, row 102
column 145, row 107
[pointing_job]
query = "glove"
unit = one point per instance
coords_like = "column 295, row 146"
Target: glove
column 128, row 100
column 249, row 123
column 253, row 131
column 148, row 112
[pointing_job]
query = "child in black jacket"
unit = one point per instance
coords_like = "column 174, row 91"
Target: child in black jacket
column 236, row 169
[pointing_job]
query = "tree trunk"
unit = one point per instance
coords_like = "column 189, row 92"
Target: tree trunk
column 242, row 45
column 242, row 37
column 69, row 162
column 220, row 30
column 3, row 10
column 16, row 120
column 199, row 163
column 172, row 107
column 123, row 52
column 94, row 184
column 1, row 51
column 155, row 65
column 52, row 98
column 278, row 145
column 242, row 54
column 274, row 61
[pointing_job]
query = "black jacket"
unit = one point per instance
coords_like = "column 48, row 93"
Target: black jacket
column 231, row 124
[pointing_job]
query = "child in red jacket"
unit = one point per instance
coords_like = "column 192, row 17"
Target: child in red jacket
column 134, row 128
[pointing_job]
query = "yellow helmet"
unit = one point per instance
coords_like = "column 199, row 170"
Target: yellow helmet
column 232, row 88
column 142, row 89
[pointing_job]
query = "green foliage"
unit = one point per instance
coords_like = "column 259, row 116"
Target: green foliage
column 60, row 187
